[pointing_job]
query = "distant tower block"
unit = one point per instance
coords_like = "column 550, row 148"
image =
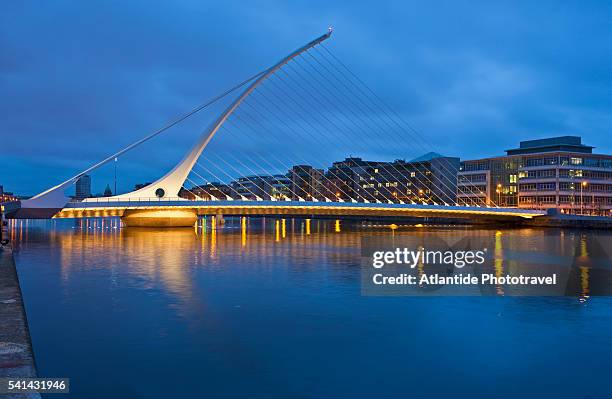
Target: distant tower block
column 83, row 187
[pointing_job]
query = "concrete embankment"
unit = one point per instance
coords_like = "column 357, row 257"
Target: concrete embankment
column 555, row 219
column 16, row 355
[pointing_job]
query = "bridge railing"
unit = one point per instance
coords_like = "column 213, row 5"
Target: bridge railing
column 106, row 200
column 110, row 200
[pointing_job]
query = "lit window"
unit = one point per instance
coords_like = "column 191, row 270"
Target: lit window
column 576, row 161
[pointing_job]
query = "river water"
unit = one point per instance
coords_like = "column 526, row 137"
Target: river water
column 271, row 309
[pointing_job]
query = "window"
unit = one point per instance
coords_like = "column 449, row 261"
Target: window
column 547, row 173
column 575, row 161
column 547, row 199
column 547, row 186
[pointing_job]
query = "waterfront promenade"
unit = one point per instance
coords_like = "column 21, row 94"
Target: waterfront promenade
column 16, row 354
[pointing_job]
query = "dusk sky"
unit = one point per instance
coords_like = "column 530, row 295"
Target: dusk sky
column 80, row 80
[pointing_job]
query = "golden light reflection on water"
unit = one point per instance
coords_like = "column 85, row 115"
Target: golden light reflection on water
column 499, row 260
column 167, row 255
column 584, row 270
column 243, row 230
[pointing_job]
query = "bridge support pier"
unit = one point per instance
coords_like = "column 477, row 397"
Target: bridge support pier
column 160, row 217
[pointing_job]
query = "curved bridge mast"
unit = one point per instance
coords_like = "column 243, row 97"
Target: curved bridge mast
column 170, row 184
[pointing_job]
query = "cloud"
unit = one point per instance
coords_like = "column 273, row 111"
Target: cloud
column 81, row 79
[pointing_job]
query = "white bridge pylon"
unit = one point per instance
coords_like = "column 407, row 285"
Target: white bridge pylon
column 171, row 183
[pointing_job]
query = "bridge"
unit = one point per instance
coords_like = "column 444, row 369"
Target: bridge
column 180, row 212
column 161, row 203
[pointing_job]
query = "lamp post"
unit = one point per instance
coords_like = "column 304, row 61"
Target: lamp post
column 582, row 185
column 498, row 191
column 115, row 192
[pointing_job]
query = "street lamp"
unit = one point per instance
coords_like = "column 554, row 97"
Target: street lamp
column 498, row 191
column 115, row 176
column 421, row 196
column 582, row 185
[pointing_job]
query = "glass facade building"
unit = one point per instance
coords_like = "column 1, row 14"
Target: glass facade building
column 558, row 172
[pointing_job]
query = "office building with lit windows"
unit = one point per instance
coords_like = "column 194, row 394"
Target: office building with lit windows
column 430, row 178
column 306, row 183
column 558, row 172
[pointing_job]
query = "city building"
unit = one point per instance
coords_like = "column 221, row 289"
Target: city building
column 343, row 180
column 557, row 172
column 489, row 181
column 280, row 187
column 107, row 191
column 256, row 187
column 5, row 196
column 430, row 179
column 306, row 183
column 83, row 187
column 208, row 191
column 265, row 187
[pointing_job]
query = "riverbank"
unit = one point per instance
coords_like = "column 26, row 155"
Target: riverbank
column 556, row 219
column 16, row 354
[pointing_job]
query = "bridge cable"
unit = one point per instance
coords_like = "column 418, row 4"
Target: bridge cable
column 385, row 107
column 289, row 127
column 356, row 183
column 448, row 170
column 165, row 127
column 362, row 111
column 292, row 129
column 352, row 119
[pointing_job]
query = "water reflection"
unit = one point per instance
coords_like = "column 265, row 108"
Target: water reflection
column 168, row 256
column 229, row 297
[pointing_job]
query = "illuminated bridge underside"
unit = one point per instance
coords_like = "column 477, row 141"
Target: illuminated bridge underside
column 292, row 208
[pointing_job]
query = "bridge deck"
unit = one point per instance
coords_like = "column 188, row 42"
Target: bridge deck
column 109, row 207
